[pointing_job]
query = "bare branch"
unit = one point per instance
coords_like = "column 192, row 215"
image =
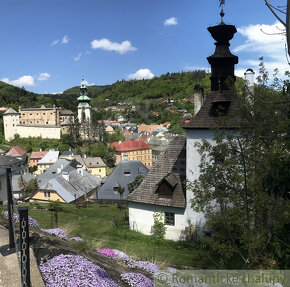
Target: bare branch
column 278, row 9
column 274, row 13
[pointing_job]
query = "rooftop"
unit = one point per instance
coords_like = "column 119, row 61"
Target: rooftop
column 130, row 145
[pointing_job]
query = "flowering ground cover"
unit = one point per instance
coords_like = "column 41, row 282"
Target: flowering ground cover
column 108, row 252
column 31, row 221
column 119, row 255
column 137, row 280
column 74, row 271
column 56, row 232
column 76, row 238
column 145, row 265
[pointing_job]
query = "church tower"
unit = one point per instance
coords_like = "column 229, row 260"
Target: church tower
column 84, row 108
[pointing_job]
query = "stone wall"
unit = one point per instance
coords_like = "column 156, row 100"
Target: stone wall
column 48, row 132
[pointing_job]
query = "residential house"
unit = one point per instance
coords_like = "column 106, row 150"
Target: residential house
column 68, row 154
column 17, row 165
column 74, row 186
column 133, row 150
column 94, row 165
column 109, row 130
column 47, row 161
column 148, row 128
column 158, row 145
column 124, row 173
column 18, row 152
column 16, row 188
column 35, row 157
column 163, row 190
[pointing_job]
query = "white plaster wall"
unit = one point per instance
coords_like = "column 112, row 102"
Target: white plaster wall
column 10, row 126
column 193, row 170
column 87, row 114
column 39, row 131
column 141, row 219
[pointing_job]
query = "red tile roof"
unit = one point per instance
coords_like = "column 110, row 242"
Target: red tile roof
column 130, row 145
column 16, row 151
column 38, row 154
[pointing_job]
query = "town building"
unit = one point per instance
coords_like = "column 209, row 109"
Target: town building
column 17, row 152
column 84, row 108
column 133, row 150
column 36, row 122
column 163, row 189
column 124, row 173
column 47, row 161
column 148, row 128
column 35, row 157
column 93, row 165
column 72, row 186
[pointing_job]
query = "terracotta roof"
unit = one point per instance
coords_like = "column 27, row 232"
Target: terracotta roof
column 148, row 128
column 16, row 151
column 38, row 154
column 131, row 145
column 170, row 167
column 206, row 118
column 127, row 133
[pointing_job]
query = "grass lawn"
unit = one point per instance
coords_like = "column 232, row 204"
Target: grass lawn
column 94, row 224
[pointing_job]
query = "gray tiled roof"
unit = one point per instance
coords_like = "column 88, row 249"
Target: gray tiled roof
column 77, row 185
column 170, row 167
column 52, row 172
column 205, row 119
column 118, row 177
column 15, row 179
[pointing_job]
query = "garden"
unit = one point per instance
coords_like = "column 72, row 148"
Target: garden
column 87, row 229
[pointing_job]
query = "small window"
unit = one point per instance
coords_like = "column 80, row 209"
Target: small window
column 127, row 172
column 100, row 170
column 47, row 194
column 169, row 218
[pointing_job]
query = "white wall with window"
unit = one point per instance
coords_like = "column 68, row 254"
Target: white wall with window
column 141, row 219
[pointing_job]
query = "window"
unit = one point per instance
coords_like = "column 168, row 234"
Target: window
column 127, row 172
column 100, row 170
column 47, row 194
column 169, row 218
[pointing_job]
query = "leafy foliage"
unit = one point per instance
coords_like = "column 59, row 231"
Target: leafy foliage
column 134, row 184
column 159, row 229
column 245, row 175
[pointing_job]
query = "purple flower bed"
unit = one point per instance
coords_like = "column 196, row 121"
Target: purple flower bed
column 136, row 280
column 31, row 221
column 145, row 265
column 119, row 255
column 56, row 232
column 108, row 252
column 74, row 271
column 76, row 238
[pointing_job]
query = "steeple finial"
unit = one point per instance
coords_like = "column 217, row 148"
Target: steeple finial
column 222, row 13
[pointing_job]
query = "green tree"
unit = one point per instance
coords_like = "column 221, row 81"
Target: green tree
column 134, row 184
column 159, row 228
column 245, row 175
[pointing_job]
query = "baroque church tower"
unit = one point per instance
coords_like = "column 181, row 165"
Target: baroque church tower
column 84, row 108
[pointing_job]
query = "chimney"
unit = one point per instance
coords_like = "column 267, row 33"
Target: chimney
column 250, row 79
column 80, row 169
column 84, row 156
column 198, row 98
column 65, row 175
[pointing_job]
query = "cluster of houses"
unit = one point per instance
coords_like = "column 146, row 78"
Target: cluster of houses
column 165, row 161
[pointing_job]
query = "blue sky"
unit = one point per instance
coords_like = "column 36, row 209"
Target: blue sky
column 48, row 45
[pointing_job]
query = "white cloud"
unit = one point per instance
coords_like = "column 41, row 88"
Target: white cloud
column 43, row 76
column 89, row 84
column 141, row 74
column 77, row 58
column 107, row 45
column 54, row 43
column 21, row 81
column 65, row 39
column 263, row 40
column 171, row 21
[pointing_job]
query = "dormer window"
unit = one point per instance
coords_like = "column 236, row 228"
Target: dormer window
column 166, row 186
column 219, row 109
column 127, row 172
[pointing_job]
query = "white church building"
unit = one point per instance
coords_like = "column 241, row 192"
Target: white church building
column 163, row 190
